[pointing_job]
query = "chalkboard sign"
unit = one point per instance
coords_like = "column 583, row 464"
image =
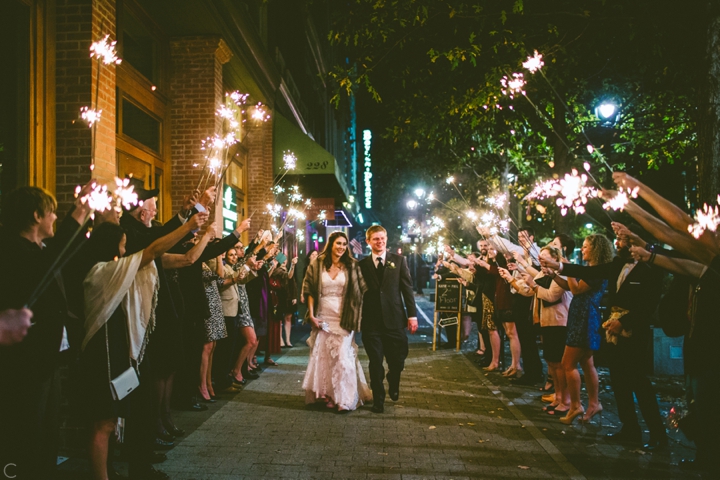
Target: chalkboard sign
column 448, row 296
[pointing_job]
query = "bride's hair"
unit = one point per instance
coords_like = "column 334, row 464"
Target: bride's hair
column 346, row 258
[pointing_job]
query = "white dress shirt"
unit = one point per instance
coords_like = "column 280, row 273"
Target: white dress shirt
column 375, row 258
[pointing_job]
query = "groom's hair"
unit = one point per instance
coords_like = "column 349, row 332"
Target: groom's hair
column 373, row 230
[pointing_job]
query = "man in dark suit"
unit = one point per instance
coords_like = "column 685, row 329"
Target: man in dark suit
column 635, row 288
column 384, row 318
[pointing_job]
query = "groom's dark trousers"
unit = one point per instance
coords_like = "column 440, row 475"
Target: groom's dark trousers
column 384, row 320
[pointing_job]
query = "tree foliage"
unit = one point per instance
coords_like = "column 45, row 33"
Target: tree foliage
column 433, row 69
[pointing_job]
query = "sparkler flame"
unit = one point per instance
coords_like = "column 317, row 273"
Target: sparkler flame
column 104, row 50
column 534, row 63
column 706, row 219
column 99, row 199
column 260, row 114
column 124, row 194
column 237, row 97
column 513, row 86
column 90, row 115
column 449, row 180
column 572, row 192
column 226, row 113
column 498, row 201
column 214, row 164
column 289, row 160
column 620, row 201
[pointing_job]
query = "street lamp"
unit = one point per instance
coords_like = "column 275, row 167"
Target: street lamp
column 419, row 193
column 412, row 204
column 607, row 111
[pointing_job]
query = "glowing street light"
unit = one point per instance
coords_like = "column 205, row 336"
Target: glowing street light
column 419, row 193
column 607, row 112
column 411, row 204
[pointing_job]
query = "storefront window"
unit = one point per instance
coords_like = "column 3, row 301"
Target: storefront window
column 138, row 47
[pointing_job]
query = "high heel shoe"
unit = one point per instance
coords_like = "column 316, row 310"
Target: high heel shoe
column 206, row 400
column 490, row 369
column 517, row 374
column 509, row 372
column 570, row 417
column 590, row 414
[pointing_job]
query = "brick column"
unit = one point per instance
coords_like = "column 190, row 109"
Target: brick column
column 80, row 23
column 197, row 91
column 260, row 172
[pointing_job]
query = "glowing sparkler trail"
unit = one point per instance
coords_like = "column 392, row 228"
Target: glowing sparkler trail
column 259, row 113
column 124, row 194
column 620, row 201
column 90, row 116
column 513, row 85
column 104, row 51
column 289, row 160
column 237, row 97
column 706, row 219
column 572, row 192
column 534, row 63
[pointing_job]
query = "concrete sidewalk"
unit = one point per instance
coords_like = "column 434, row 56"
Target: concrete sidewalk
column 452, row 422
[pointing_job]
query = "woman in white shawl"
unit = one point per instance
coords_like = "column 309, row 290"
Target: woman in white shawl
column 120, row 294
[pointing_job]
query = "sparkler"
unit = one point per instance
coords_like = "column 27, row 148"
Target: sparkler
column 706, row 219
column 105, row 53
column 259, row 113
column 534, row 63
column 513, row 85
column 620, row 201
column 289, row 163
column 451, row 180
column 572, row 192
column 90, row 115
column 124, row 194
column 289, row 160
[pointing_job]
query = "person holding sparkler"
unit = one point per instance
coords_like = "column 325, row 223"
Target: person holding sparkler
column 30, row 377
column 584, row 319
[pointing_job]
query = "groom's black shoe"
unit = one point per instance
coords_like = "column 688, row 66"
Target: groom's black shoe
column 376, row 408
column 394, row 394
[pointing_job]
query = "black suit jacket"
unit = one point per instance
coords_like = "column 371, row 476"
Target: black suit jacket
column 639, row 293
column 383, row 302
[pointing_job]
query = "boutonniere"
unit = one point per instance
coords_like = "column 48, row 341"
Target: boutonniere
column 390, row 265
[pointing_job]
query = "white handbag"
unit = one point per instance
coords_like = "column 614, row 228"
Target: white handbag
column 126, row 382
column 123, row 384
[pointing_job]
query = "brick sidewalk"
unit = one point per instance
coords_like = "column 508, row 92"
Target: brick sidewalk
column 451, row 423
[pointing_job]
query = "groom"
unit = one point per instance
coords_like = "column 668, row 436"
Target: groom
column 383, row 315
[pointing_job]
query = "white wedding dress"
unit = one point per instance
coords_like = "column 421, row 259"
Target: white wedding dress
column 334, row 370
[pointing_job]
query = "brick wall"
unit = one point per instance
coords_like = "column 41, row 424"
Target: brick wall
column 196, row 88
column 78, row 25
column 260, row 172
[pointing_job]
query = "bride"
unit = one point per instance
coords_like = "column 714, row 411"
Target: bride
column 334, row 289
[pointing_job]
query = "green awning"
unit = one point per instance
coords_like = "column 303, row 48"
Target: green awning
column 316, row 170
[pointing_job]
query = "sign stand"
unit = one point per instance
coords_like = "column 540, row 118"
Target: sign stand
column 448, row 299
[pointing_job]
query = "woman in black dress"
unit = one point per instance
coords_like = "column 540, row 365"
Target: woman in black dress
column 115, row 341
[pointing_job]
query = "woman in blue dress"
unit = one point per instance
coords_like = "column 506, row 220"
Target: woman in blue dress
column 583, row 330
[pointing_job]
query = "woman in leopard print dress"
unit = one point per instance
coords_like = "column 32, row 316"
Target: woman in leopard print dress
column 214, row 325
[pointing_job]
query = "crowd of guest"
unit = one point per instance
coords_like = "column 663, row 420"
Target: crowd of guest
column 146, row 316
column 524, row 292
